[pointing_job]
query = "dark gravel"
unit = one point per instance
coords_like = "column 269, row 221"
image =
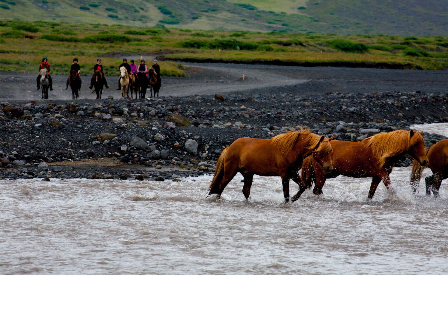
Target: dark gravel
column 172, row 137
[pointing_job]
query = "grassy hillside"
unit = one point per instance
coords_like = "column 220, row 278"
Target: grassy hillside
column 410, row 18
column 22, row 45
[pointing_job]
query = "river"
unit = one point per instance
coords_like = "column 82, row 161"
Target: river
column 80, row 226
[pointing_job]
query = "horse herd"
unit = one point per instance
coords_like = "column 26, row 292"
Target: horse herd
column 136, row 84
column 320, row 158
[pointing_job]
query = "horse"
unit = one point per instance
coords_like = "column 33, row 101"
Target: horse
column 44, row 83
column 438, row 162
column 134, row 85
column 75, row 83
column 142, row 84
column 373, row 157
column 281, row 156
column 124, row 82
column 154, row 84
column 98, row 83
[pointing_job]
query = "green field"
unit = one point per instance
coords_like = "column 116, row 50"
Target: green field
column 341, row 17
column 22, row 45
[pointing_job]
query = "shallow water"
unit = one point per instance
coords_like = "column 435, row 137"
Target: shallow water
column 145, row 227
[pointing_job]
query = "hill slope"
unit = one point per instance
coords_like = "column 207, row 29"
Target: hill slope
column 390, row 17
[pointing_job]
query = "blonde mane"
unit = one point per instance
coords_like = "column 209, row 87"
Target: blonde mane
column 286, row 141
column 385, row 145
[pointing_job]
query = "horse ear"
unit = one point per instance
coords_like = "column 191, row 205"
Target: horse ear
column 421, row 132
column 412, row 133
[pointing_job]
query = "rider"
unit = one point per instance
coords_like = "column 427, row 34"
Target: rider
column 44, row 65
column 156, row 68
column 142, row 68
column 128, row 68
column 75, row 66
column 98, row 66
column 133, row 67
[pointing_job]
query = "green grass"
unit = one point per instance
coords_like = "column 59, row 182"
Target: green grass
column 22, row 45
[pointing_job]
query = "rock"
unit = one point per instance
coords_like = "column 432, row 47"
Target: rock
column 158, row 137
column 19, row 162
column 369, row 130
column 191, row 146
column 179, row 120
column 139, row 143
column 340, row 129
column 219, row 97
column 104, row 136
column 164, row 154
column 4, row 162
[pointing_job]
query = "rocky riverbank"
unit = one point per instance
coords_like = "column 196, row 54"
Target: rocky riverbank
column 168, row 138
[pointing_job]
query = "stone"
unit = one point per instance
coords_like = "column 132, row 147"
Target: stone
column 164, row 153
column 369, row 130
column 191, row 146
column 178, row 120
column 139, row 143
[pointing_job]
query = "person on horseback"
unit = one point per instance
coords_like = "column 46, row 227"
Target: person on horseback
column 133, row 67
column 98, row 66
column 142, row 68
column 44, row 65
column 75, row 66
column 156, row 68
column 128, row 68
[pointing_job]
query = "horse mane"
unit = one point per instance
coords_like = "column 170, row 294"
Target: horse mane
column 286, row 141
column 389, row 144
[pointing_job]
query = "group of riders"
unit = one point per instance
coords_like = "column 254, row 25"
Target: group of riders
column 132, row 69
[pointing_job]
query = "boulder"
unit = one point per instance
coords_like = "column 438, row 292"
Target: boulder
column 191, row 146
column 139, row 143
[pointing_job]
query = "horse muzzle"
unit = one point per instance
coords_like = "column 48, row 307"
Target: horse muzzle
column 424, row 162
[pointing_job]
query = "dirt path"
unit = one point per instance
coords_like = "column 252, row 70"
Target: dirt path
column 209, row 79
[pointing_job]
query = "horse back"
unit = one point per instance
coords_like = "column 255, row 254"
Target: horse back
column 353, row 159
column 259, row 156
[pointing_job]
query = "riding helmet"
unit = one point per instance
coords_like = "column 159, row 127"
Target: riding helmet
column 142, row 60
column 44, row 58
column 125, row 59
column 98, row 59
column 75, row 59
column 132, row 61
column 155, row 60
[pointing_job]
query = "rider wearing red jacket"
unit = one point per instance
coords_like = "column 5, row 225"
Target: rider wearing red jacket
column 44, row 65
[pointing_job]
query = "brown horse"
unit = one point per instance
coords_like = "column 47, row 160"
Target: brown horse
column 98, row 83
column 373, row 157
column 281, row 156
column 153, row 82
column 75, row 83
column 438, row 162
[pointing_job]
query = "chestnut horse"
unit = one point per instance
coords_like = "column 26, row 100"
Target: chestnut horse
column 281, row 156
column 373, row 157
column 438, row 162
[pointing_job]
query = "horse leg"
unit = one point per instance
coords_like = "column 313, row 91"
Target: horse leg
column 319, row 179
column 248, row 178
column 285, row 184
column 429, row 181
column 375, row 182
column 436, row 184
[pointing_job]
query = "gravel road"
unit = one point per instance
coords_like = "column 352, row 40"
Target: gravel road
column 209, row 79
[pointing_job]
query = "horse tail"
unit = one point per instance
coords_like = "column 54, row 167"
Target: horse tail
column 307, row 172
column 219, row 172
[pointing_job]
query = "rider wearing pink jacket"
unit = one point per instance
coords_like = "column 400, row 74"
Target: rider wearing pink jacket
column 133, row 67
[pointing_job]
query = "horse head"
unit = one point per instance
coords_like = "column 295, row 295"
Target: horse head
column 43, row 72
column 123, row 72
column 417, row 147
column 322, row 153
